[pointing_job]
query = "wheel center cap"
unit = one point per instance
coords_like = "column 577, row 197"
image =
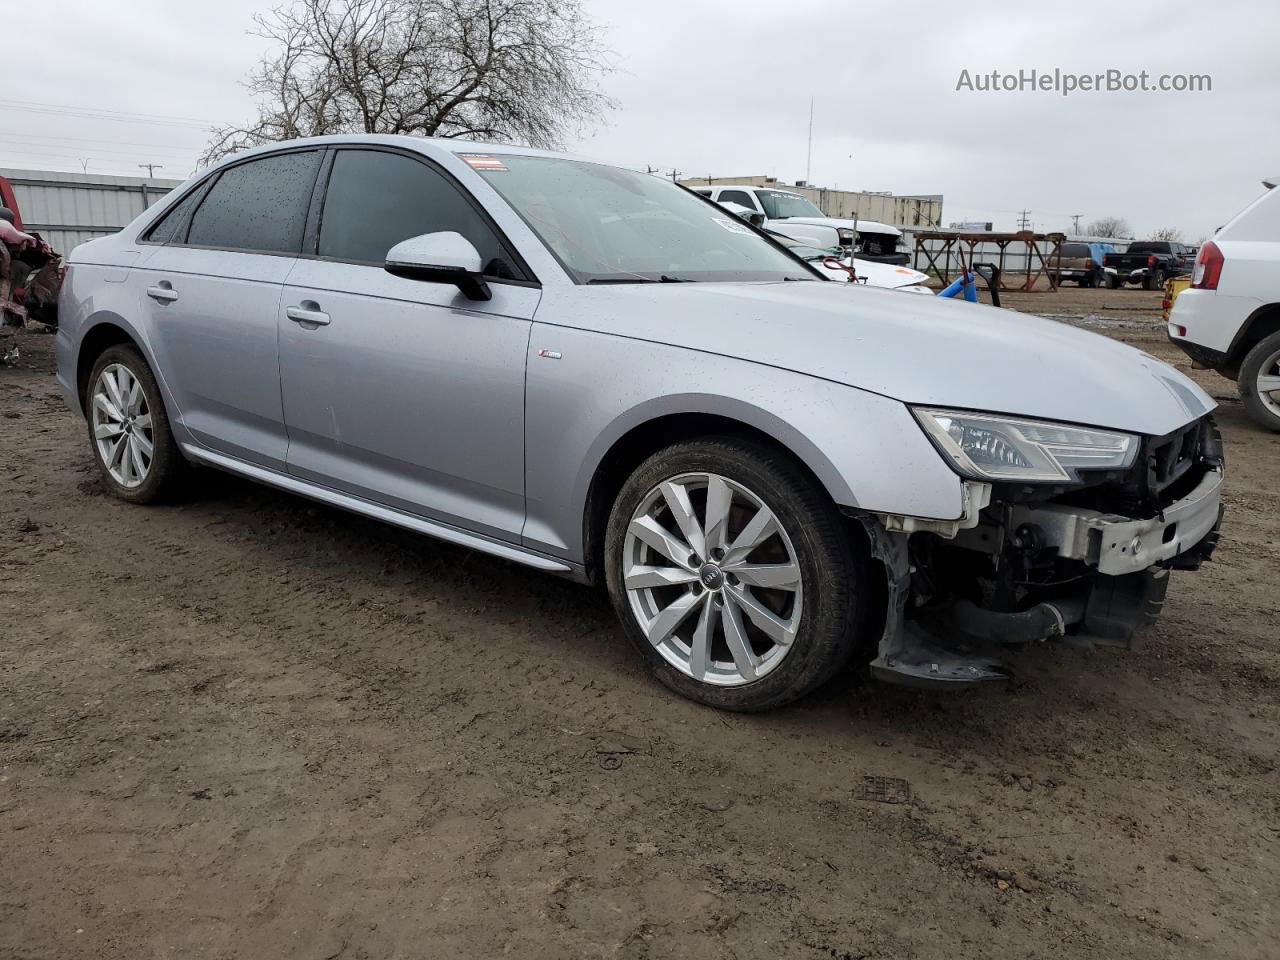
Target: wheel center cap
column 712, row 577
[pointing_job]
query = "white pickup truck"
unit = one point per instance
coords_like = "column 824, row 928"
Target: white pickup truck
column 794, row 216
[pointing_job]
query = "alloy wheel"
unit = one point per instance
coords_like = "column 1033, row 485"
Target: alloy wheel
column 1269, row 383
column 122, row 428
column 712, row 579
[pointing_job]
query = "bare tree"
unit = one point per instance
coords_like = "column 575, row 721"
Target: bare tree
column 1109, row 227
column 1167, row 233
column 517, row 70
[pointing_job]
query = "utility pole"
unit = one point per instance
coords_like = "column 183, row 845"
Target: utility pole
column 151, row 169
column 1075, row 223
column 674, row 173
column 84, row 164
column 808, row 163
column 1024, row 221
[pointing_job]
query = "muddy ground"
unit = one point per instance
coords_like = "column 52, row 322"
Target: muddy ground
column 247, row 726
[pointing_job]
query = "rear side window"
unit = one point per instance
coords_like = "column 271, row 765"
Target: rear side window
column 1075, row 251
column 173, row 225
column 740, row 197
column 259, row 205
column 377, row 199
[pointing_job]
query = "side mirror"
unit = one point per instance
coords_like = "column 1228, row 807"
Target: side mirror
column 444, row 257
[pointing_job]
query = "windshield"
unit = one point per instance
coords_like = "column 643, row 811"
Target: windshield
column 803, row 250
column 779, row 205
column 609, row 225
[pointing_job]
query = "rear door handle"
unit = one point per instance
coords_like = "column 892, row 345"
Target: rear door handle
column 308, row 312
column 163, row 291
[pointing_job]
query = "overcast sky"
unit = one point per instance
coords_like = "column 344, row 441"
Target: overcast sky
column 724, row 89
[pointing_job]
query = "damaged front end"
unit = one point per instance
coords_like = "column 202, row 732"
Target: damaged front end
column 1085, row 561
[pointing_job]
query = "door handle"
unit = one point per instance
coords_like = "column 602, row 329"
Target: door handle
column 163, row 291
column 307, row 312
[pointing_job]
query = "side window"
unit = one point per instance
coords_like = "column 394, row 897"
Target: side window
column 739, row 197
column 173, row 225
column 703, row 193
column 376, row 199
column 259, row 205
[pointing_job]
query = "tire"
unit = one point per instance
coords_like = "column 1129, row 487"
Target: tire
column 1262, row 361
column 821, row 607
column 1114, row 283
column 1153, row 281
column 146, row 479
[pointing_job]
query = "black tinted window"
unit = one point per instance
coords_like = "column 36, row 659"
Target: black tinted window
column 736, row 196
column 173, row 226
column 377, row 199
column 259, row 205
column 1075, row 250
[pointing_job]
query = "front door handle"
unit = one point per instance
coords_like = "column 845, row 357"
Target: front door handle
column 307, row 312
column 163, row 291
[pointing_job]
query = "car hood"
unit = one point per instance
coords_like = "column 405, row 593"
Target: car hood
column 920, row 350
column 875, row 274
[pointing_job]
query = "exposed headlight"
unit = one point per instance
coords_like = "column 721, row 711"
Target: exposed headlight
column 987, row 447
column 845, row 234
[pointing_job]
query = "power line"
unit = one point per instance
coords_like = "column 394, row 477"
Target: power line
column 83, row 114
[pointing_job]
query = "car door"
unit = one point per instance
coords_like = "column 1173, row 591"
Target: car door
column 211, row 296
column 406, row 393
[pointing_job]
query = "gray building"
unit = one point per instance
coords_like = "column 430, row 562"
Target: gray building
column 907, row 211
column 69, row 208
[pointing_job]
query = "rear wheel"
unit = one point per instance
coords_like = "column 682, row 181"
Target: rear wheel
column 1114, row 283
column 732, row 574
column 129, row 429
column 1154, row 280
column 1259, row 382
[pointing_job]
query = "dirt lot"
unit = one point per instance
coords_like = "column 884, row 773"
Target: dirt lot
column 247, row 726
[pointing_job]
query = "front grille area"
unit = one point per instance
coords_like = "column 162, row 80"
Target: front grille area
column 1167, row 459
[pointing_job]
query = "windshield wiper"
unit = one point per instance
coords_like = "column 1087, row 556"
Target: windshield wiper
column 663, row 278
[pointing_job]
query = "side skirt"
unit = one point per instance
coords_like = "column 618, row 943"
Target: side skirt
column 342, row 501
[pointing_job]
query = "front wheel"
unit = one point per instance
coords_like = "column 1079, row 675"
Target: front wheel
column 733, row 574
column 129, row 429
column 1259, row 382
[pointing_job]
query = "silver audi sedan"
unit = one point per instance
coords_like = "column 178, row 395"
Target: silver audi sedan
column 602, row 375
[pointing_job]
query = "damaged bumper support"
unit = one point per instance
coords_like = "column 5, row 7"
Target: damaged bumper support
column 1040, row 571
column 1115, row 545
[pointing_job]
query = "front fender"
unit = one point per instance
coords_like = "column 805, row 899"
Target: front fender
column 865, row 449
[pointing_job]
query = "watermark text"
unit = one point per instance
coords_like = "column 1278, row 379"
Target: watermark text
column 1066, row 83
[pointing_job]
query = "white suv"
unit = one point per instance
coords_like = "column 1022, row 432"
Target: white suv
column 796, row 217
column 1229, row 319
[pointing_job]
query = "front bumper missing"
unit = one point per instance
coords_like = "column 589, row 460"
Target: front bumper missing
column 953, row 646
column 1116, row 545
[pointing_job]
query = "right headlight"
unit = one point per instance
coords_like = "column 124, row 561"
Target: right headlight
column 986, row 446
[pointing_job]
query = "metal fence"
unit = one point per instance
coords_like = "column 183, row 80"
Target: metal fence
column 69, row 208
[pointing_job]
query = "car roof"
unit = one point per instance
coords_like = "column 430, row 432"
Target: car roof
column 426, row 145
